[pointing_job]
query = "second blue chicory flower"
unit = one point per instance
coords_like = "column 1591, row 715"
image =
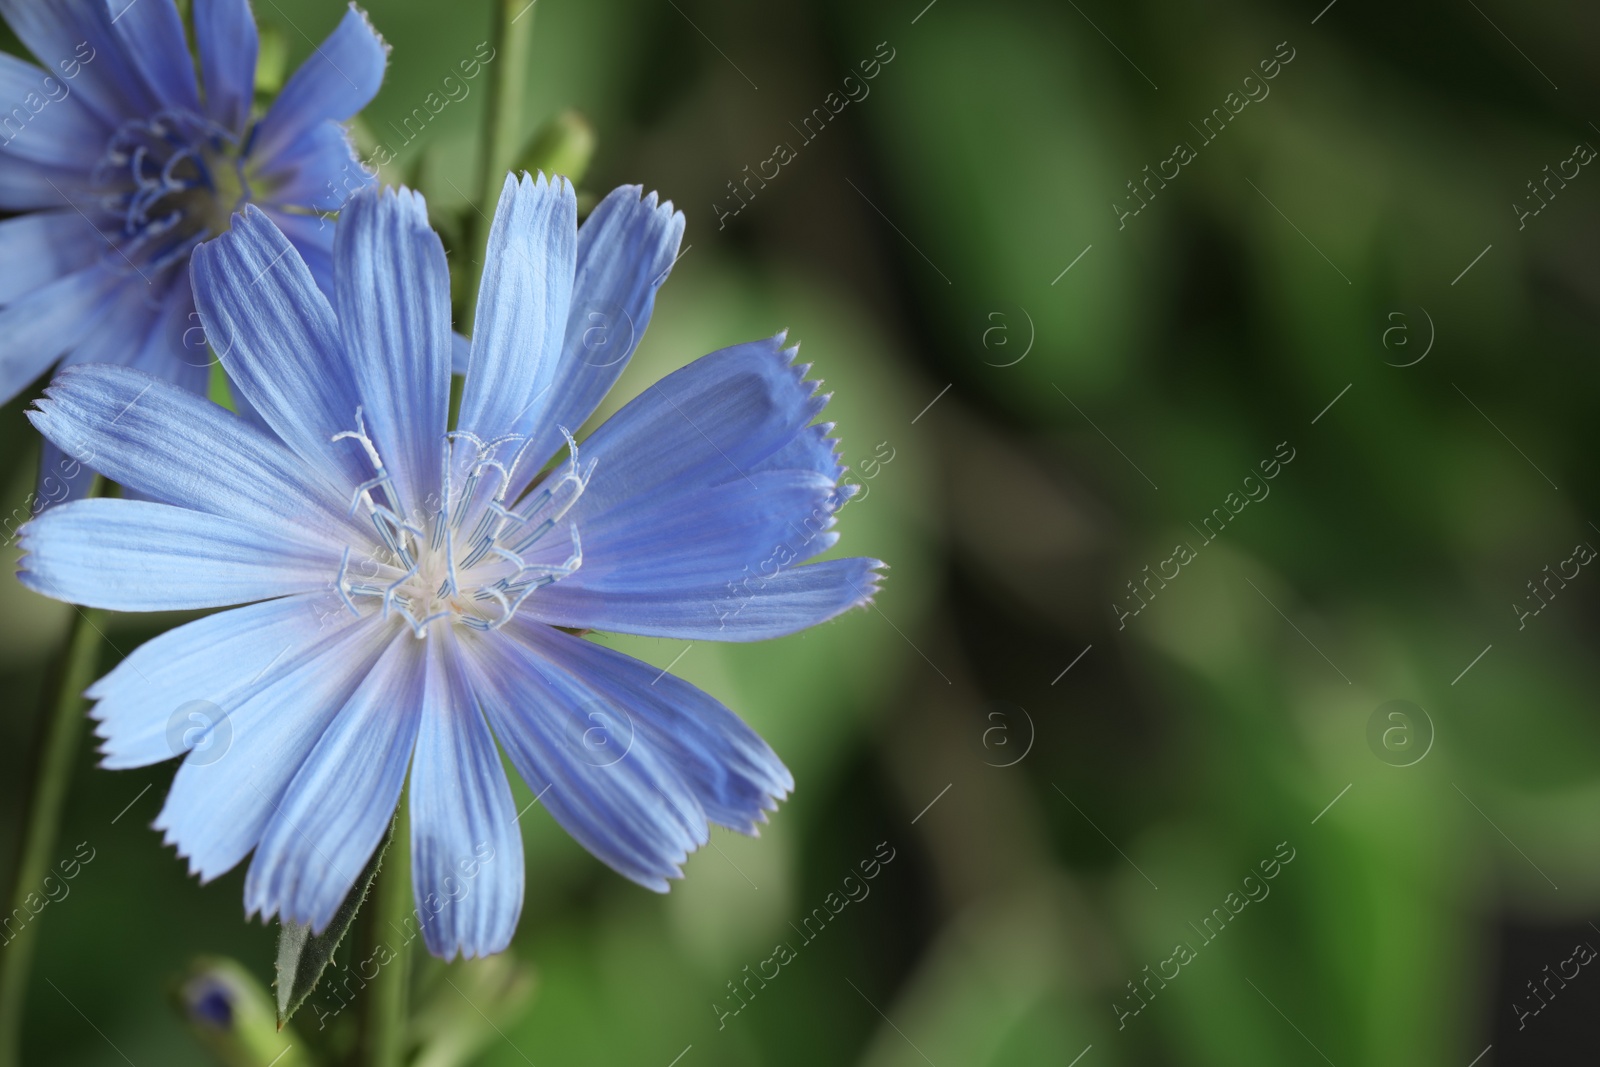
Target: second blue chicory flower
column 417, row 595
column 120, row 162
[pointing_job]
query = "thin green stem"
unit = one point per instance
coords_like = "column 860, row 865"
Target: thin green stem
column 387, row 1005
column 62, row 732
column 511, row 34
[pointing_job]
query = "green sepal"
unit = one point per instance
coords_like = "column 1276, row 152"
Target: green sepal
column 303, row 956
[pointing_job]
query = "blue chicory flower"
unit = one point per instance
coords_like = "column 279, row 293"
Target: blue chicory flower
column 410, row 589
column 118, row 166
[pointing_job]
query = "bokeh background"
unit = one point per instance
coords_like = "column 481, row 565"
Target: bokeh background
column 1031, row 438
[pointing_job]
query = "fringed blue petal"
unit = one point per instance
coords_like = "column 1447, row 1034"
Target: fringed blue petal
column 132, row 555
column 276, row 335
column 710, row 489
column 612, row 790
column 338, row 79
column 705, row 537
column 392, row 291
column 749, row 607
column 178, row 448
column 626, row 248
column 522, row 309
column 709, row 423
column 733, row 773
column 237, row 780
column 221, row 659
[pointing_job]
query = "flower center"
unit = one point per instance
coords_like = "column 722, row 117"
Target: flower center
column 170, row 181
column 473, row 560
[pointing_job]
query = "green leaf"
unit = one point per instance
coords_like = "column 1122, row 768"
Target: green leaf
column 303, row 955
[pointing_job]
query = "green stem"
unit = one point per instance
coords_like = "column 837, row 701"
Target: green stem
column 511, row 34
column 387, row 1004
column 63, row 727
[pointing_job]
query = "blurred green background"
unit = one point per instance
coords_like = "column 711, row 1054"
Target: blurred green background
column 1083, row 821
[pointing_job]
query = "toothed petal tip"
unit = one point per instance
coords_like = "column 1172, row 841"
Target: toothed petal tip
column 367, row 20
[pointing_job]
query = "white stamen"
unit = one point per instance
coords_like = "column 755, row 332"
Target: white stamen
column 434, row 584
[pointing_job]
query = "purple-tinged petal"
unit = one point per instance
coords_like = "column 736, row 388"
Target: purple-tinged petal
column 65, row 473
column 132, row 555
column 27, row 186
column 335, row 811
column 226, row 38
column 151, row 32
column 177, row 448
column 277, row 337
column 337, row 80
column 42, row 247
column 320, row 172
column 76, row 39
column 522, row 308
column 174, row 344
column 392, row 290
column 312, row 237
column 733, row 773
column 466, row 848
column 37, row 328
column 626, row 248
column 45, row 123
column 753, row 607
column 608, row 788
column 236, row 780
column 163, row 339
